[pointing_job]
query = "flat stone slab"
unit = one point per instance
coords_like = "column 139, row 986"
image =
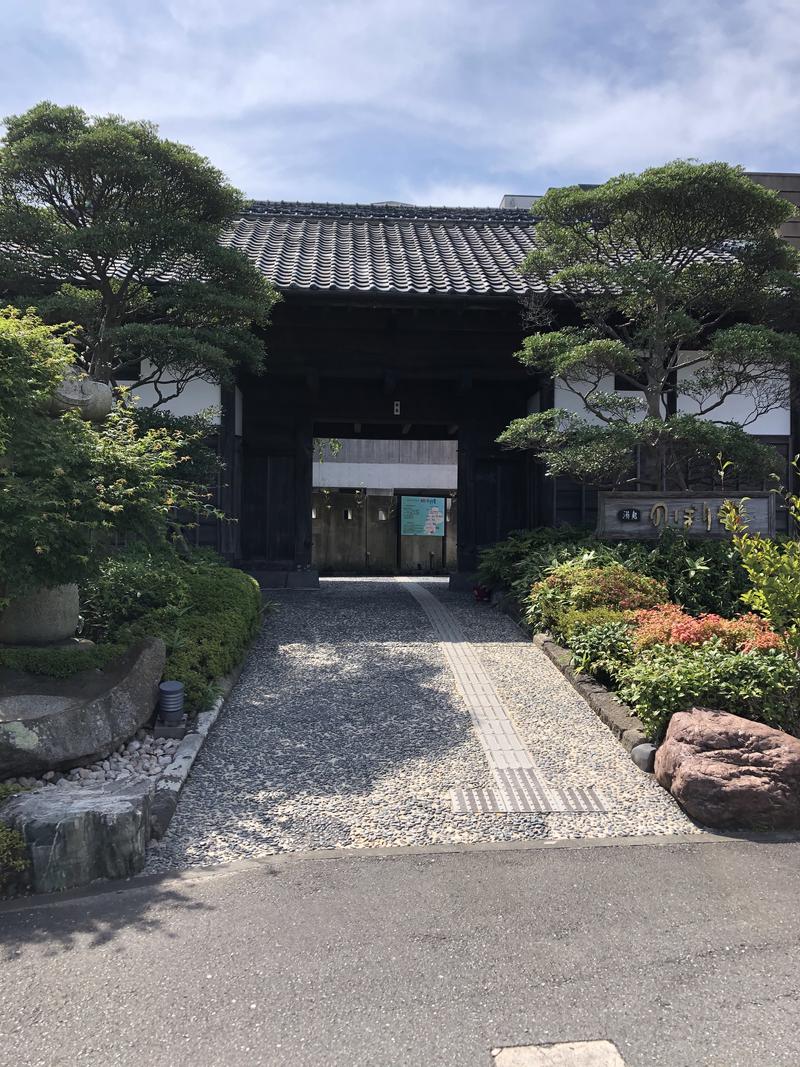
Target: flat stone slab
column 74, row 836
column 50, row 723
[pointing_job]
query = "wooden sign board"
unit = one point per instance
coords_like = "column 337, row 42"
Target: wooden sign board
column 639, row 516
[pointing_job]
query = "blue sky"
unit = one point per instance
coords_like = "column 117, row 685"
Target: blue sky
column 426, row 101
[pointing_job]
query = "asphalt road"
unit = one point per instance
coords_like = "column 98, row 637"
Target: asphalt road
column 683, row 954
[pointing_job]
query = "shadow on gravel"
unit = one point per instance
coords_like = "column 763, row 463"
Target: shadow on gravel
column 344, row 690
column 56, row 925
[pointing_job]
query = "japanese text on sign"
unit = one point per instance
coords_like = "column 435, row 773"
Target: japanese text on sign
column 644, row 515
column 422, row 516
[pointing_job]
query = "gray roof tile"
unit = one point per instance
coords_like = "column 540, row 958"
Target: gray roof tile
column 387, row 248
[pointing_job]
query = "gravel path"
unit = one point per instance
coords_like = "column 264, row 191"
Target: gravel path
column 345, row 730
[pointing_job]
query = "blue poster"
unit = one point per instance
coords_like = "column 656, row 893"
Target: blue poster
column 422, row 516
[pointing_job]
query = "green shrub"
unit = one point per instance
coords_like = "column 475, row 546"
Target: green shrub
column 577, row 620
column 205, row 612
column 760, row 685
column 208, row 633
column 13, row 853
column 604, row 649
column 601, row 639
column 773, row 568
column 704, row 577
column 132, row 584
column 523, row 551
column 71, row 486
column 576, row 585
column 56, row 662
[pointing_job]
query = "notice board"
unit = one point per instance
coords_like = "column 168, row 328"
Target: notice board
column 422, row 516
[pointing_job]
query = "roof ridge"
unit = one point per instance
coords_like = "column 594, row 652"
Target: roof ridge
column 408, row 212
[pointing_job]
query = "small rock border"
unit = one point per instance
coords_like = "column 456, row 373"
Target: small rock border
column 143, row 757
column 164, row 763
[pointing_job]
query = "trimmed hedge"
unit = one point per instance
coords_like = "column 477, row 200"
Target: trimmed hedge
column 205, row 611
column 57, row 662
column 211, row 638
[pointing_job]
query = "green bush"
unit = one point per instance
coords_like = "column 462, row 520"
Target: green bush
column 13, row 854
column 70, row 486
column 604, row 649
column 577, row 620
column 759, row 685
column 206, row 629
column 205, row 612
column 578, row 585
column 703, row 577
column 773, row 568
column 130, row 585
column 56, row 662
column 601, row 639
column 509, row 561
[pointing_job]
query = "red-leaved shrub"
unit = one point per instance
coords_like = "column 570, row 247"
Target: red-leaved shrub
column 667, row 624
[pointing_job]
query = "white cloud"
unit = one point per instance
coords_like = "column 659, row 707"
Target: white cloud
column 458, row 100
column 454, row 193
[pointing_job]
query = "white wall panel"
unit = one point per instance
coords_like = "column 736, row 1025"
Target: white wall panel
column 197, row 396
column 738, row 408
column 385, row 475
column 566, row 399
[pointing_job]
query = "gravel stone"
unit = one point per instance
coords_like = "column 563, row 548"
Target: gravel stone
column 143, row 758
column 345, row 729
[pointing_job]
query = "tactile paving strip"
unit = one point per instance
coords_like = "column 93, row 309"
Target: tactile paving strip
column 520, row 786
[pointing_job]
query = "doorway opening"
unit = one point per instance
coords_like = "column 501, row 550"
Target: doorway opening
column 385, row 507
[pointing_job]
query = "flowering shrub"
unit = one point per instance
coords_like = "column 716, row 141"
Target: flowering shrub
column 705, row 576
column 668, row 624
column 576, row 586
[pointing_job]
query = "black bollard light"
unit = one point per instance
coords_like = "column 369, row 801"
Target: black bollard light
column 170, row 702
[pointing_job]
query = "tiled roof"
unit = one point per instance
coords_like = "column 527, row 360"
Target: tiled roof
column 386, row 248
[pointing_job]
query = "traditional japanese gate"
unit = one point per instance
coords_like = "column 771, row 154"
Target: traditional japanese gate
column 397, row 322
column 382, row 371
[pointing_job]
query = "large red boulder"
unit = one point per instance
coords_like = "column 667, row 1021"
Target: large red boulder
column 731, row 773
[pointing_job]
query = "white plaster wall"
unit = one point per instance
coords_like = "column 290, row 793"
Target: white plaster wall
column 198, row 396
column 385, row 475
column 566, row 399
column 737, row 409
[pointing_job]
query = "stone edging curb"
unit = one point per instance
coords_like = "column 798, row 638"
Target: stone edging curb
column 617, row 716
column 170, row 784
